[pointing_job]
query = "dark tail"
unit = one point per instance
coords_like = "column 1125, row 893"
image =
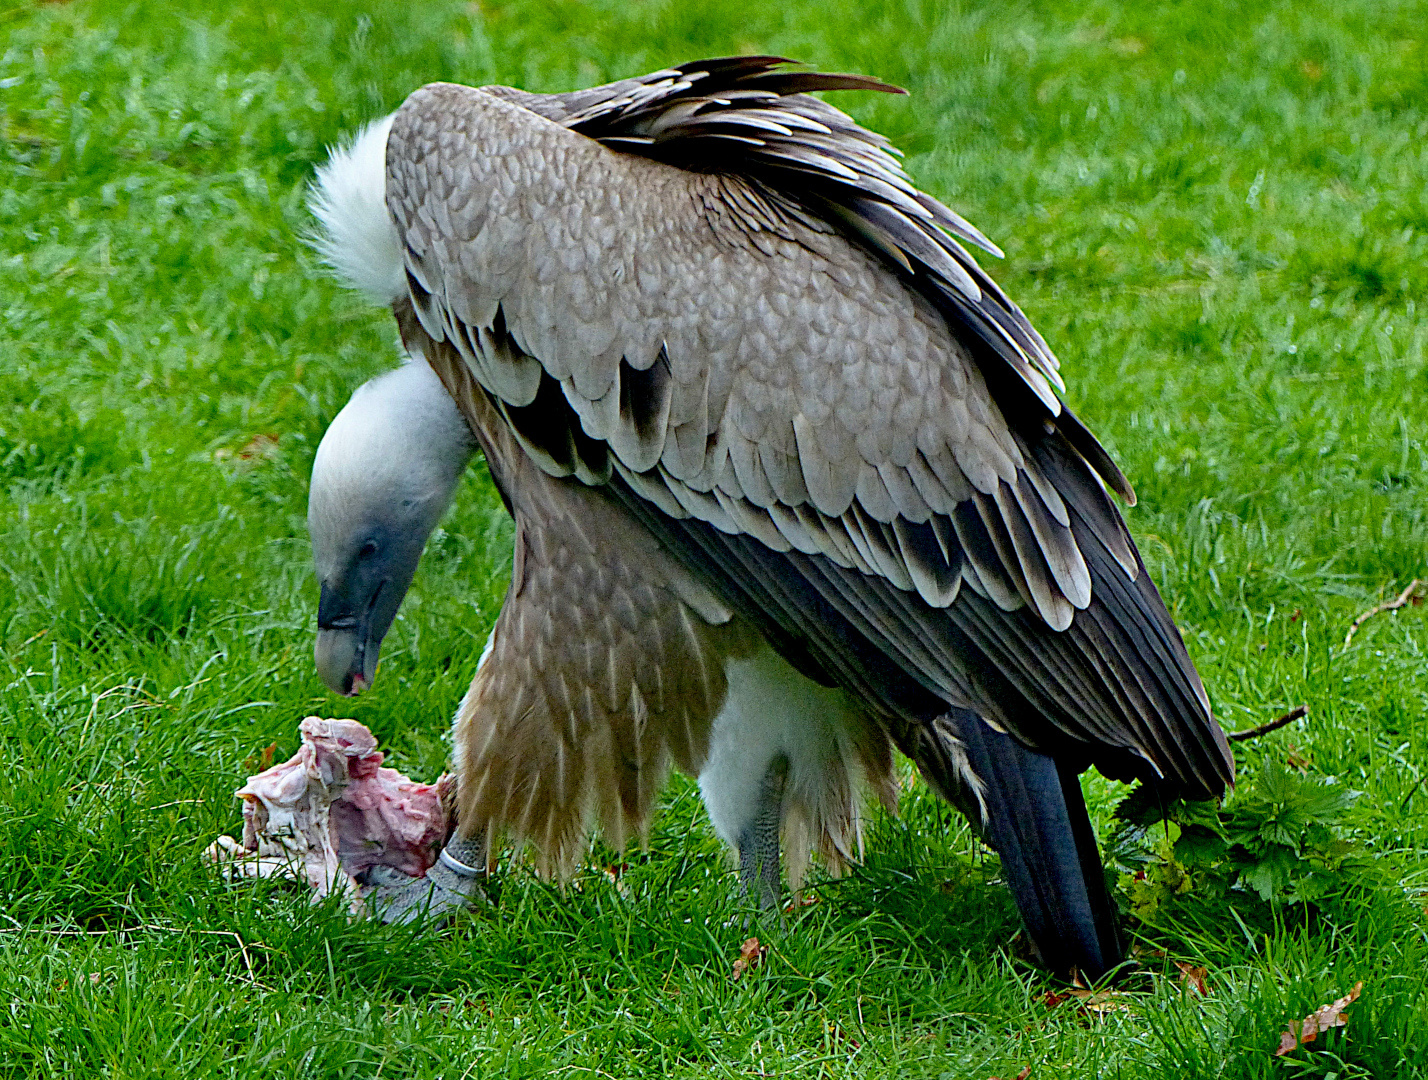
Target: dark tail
column 1036, row 820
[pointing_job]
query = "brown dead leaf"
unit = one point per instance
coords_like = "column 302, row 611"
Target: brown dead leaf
column 1329, row 1016
column 1102, row 1001
column 1092, row 1001
column 1321, row 1019
column 799, row 901
column 261, row 761
column 1302, row 762
column 1138, row 950
column 259, row 446
column 1298, row 614
column 1194, row 977
column 751, row 954
column 615, row 875
column 1019, row 1076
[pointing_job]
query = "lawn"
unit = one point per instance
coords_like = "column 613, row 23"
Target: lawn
column 1217, row 214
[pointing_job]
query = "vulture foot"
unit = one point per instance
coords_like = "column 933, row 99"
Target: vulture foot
column 456, row 882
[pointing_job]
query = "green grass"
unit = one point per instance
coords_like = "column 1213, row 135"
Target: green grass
column 1216, row 213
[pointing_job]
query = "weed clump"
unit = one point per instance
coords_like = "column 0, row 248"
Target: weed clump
column 1283, row 839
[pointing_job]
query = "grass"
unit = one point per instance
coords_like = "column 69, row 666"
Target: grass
column 1216, row 213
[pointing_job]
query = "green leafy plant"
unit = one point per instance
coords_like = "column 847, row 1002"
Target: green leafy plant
column 1284, row 837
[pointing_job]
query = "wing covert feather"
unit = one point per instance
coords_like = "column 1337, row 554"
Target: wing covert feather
column 804, row 370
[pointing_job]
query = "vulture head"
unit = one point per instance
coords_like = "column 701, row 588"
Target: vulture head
column 384, row 473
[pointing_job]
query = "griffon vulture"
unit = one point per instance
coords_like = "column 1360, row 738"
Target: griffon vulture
column 791, row 482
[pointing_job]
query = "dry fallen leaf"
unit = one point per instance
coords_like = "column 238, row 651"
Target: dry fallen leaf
column 1194, row 977
column 1102, row 1001
column 1019, row 1076
column 800, row 900
column 1321, row 1019
column 262, row 761
column 259, row 446
column 1096, row 1001
column 615, row 875
column 750, row 955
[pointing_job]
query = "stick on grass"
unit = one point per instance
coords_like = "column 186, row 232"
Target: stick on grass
column 1272, row 725
column 1405, row 597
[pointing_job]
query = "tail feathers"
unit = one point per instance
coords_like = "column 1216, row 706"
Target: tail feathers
column 1036, row 820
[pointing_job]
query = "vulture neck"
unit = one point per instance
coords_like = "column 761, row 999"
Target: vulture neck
column 393, row 455
column 384, row 474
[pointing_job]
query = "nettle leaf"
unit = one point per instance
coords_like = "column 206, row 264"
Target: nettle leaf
column 1275, row 783
column 1301, row 799
column 1287, row 833
column 1312, row 887
column 1200, row 847
column 1262, row 879
column 1271, row 873
column 1282, row 838
column 1143, row 807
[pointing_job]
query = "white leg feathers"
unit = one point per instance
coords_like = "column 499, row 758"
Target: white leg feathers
column 773, row 712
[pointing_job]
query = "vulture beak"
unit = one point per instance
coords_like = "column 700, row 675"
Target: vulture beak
column 349, row 636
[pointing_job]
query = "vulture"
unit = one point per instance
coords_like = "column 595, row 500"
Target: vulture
column 792, row 481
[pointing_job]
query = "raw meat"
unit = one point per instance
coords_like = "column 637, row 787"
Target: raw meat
column 332, row 814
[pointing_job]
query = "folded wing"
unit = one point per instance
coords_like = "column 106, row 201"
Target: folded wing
column 724, row 297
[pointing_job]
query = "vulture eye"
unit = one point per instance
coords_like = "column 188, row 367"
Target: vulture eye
column 367, row 550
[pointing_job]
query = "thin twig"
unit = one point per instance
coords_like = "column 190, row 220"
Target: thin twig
column 1405, row 597
column 1274, row 725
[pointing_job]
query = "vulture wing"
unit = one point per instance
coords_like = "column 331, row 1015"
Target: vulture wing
column 724, row 299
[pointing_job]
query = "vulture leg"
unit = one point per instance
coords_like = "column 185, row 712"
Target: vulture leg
column 758, row 843
column 1036, row 819
column 452, row 884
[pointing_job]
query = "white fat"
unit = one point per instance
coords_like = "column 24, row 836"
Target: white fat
column 394, row 453
column 349, row 199
column 771, row 711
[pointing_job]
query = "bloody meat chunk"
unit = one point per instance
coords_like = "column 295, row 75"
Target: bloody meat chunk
column 331, row 814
